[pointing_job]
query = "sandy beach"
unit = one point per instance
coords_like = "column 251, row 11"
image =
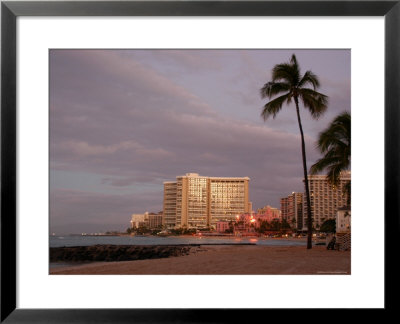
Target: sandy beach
column 229, row 259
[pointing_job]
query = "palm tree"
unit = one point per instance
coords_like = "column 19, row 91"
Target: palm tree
column 286, row 78
column 335, row 145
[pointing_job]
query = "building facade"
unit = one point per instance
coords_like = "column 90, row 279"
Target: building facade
column 169, row 205
column 292, row 209
column 195, row 201
column 270, row 212
column 222, row 226
column 325, row 198
column 139, row 220
column 155, row 220
column 148, row 220
column 343, row 220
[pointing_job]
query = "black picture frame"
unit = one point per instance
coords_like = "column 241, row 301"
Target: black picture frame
column 11, row 10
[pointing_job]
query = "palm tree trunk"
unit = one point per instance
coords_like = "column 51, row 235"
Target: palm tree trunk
column 303, row 152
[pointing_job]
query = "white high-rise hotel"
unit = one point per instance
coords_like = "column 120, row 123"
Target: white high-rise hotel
column 326, row 198
column 195, row 201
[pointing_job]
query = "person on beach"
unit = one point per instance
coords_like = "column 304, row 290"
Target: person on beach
column 331, row 245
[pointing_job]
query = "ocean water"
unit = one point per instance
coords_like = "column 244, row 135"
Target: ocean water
column 78, row 240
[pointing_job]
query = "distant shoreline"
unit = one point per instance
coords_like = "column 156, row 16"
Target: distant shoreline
column 76, row 241
column 184, row 235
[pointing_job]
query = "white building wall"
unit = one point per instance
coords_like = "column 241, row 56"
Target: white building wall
column 343, row 221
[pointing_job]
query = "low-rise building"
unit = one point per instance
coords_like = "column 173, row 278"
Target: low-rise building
column 270, row 212
column 266, row 218
column 155, row 220
column 222, row 226
column 139, row 220
column 148, row 220
column 343, row 220
column 245, row 224
column 254, row 220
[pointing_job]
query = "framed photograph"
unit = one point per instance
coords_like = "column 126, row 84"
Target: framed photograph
column 159, row 131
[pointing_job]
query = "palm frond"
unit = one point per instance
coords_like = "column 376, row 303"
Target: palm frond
column 271, row 89
column 339, row 131
column 309, row 78
column 319, row 166
column 331, row 139
column 316, row 102
column 330, row 157
column 286, row 72
column 334, row 166
column 274, row 106
column 293, row 60
column 334, row 172
column 296, row 67
column 335, row 144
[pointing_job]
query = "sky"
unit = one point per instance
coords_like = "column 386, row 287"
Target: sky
column 124, row 121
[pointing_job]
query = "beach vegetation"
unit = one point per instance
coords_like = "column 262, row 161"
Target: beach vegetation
column 273, row 226
column 230, row 229
column 142, row 229
column 329, row 226
column 285, row 224
column 287, row 86
column 182, row 231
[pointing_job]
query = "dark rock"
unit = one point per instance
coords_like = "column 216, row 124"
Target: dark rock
column 117, row 252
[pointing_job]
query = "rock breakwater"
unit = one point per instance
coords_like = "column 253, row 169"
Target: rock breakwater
column 111, row 253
